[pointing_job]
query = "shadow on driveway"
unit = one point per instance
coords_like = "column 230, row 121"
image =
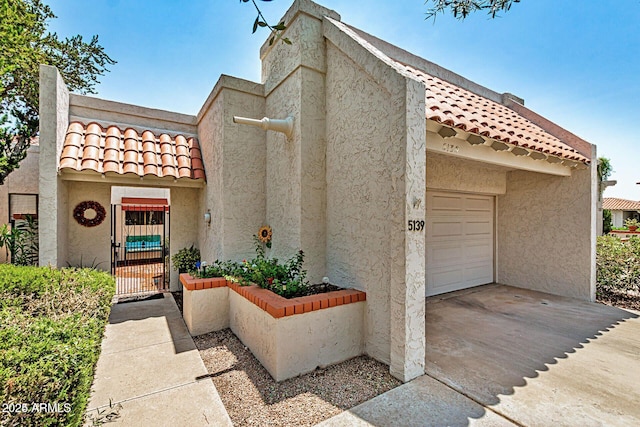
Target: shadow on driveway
column 535, row 358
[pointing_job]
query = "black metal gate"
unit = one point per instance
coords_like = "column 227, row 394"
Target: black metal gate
column 140, row 248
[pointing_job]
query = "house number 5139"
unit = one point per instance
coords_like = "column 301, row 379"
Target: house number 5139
column 416, row 225
column 450, row 148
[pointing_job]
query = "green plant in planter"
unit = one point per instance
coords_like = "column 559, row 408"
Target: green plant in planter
column 285, row 279
column 185, row 259
column 632, row 223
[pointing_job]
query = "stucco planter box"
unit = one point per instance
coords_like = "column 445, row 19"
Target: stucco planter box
column 205, row 304
column 289, row 337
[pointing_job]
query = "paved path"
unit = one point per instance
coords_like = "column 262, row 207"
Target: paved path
column 150, row 365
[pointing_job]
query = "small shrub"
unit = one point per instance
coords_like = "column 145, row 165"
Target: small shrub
column 51, row 327
column 185, row 259
column 617, row 265
column 21, row 241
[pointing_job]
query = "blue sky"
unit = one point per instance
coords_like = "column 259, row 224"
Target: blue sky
column 576, row 63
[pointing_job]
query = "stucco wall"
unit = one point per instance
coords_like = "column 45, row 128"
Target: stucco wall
column 322, row 337
column 89, row 246
column 365, row 190
column 235, row 159
column 206, row 310
column 52, row 207
column 451, row 174
column 376, row 180
column 211, row 134
column 283, row 170
column 23, row 180
column 294, row 79
column 545, row 235
column 186, row 215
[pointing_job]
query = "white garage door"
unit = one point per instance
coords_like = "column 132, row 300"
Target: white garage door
column 459, row 241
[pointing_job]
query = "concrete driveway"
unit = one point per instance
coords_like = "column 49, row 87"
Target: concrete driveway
column 498, row 355
column 537, row 359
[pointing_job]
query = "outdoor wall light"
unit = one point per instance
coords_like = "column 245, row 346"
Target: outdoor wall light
column 207, row 217
column 284, row 126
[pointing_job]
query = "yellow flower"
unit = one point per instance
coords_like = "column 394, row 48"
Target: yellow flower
column 264, row 235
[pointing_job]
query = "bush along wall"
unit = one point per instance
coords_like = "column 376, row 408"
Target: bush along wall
column 51, row 328
column 617, row 265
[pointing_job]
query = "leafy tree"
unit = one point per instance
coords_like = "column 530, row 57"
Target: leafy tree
column 462, row 8
column 25, row 43
column 276, row 30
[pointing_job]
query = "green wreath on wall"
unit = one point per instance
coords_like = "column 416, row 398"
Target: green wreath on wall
column 79, row 213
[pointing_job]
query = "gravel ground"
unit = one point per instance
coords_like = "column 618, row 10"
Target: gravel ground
column 253, row 398
column 621, row 300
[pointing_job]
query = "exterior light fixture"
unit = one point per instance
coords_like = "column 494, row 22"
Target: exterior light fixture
column 207, row 217
column 279, row 125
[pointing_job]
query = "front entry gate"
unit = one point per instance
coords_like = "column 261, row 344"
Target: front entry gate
column 140, row 248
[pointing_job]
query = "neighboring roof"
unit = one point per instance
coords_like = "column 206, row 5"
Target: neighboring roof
column 113, row 150
column 615, row 204
column 456, row 107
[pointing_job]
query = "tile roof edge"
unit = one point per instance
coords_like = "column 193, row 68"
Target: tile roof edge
column 620, row 199
column 104, row 124
column 616, row 201
column 403, row 56
column 569, row 138
column 381, row 56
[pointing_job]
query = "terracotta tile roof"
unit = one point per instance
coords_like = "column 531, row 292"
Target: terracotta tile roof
column 113, row 150
column 615, row 204
column 456, row 107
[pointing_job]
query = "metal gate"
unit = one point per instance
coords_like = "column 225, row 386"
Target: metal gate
column 140, row 248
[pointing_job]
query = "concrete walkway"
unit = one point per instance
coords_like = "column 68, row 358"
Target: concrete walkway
column 150, row 365
column 501, row 356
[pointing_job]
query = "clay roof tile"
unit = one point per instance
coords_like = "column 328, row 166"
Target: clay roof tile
column 90, row 147
column 486, row 117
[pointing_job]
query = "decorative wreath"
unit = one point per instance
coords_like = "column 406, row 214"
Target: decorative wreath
column 83, row 207
column 264, row 235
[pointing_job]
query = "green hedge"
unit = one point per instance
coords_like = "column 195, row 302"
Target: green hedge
column 617, row 265
column 51, row 327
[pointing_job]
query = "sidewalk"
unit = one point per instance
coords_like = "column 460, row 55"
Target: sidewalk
column 150, row 365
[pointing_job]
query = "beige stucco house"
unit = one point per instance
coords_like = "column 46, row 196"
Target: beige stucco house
column 621, row 210
column 19, row 193
column 399, row 178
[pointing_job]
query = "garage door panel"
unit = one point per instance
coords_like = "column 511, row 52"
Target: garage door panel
column 447, row 203
column 478, row 275
column 479, row 228
column 445, row 254
column 478, row 251
column 446, row 278
column 479, row 204
column 444, row 228
column 460, row 241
